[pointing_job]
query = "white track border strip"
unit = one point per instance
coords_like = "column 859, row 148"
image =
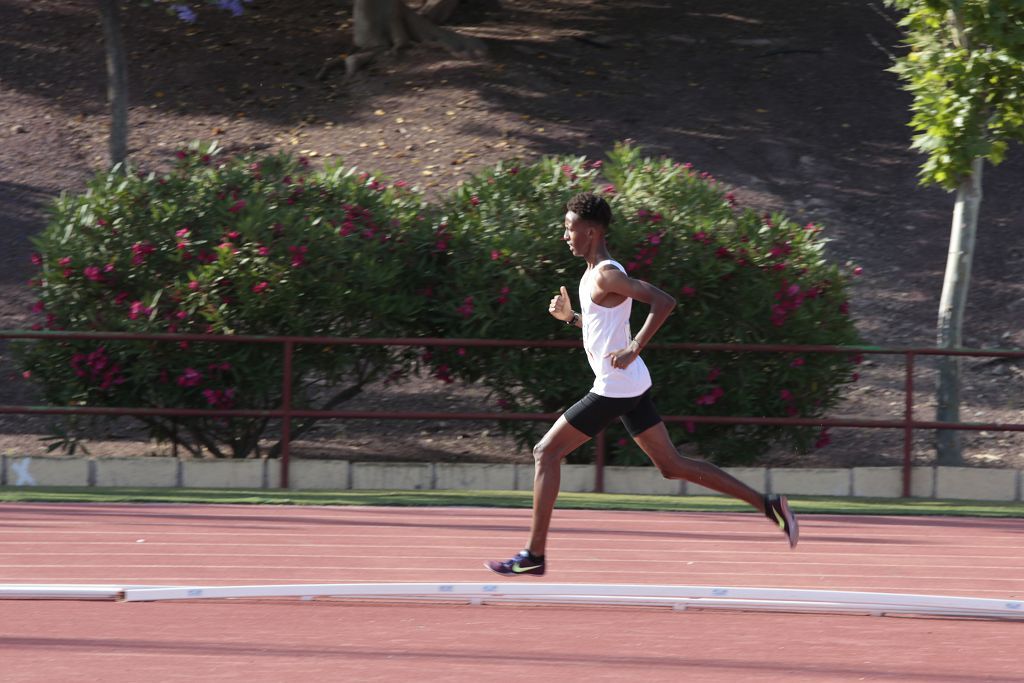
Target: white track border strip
column 784, row 599
column 677, row 597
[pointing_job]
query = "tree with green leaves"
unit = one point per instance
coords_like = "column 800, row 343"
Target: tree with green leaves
column 965, row 68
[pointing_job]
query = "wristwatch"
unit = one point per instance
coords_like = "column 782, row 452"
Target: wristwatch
column 571, row 322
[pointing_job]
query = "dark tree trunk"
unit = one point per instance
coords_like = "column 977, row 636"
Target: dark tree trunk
column 117, row 80
column 383, row 25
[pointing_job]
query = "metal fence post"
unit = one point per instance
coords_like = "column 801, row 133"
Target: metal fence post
column 286, row 408
column 599, row 460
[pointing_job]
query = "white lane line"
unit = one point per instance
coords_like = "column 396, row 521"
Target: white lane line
column 564, row 545
column 481, row 552
column 460, row 568
column 754, row 535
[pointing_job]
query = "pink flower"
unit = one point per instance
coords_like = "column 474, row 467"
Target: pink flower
column 713, row 374
column 474, row 200
column 858, row 270
column 702, row 237
column 38, row 307
column 461, row 351
column 237, row 206
column 608, row 189
column 121, row 298
column 37, row 260
column 66, row 261
column 298, row 255
column 466, row 309
column 797, row 362
column 140, row 250
column 597, row 164
column 92, row 273
column 193, row 285
column 514, row 170
column 495, row 254
column 263, row 251
column 503, row 298
column 190, row 378
column 711, row 397
column 689, row 291
column 443, row 373
column 654, row 238
column 261, row 287
column 219, row 398
column 183, row 233
column 139, row 310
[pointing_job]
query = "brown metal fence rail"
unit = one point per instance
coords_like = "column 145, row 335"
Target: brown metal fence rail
column 287, row 412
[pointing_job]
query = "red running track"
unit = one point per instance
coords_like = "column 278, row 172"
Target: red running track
column 326, row 640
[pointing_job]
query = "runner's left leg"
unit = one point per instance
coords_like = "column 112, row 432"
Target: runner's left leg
column 658, row 446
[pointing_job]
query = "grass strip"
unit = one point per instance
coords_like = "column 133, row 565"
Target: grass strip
column 507, row 499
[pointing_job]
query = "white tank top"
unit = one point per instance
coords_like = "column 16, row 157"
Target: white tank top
column 606, row 330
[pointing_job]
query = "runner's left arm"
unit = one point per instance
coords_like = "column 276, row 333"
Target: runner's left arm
column 614, row 281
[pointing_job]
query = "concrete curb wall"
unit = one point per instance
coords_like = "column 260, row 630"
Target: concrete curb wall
column 965, row 483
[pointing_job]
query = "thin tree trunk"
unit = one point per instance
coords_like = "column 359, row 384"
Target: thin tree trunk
column 951, row 312
column 117, row 80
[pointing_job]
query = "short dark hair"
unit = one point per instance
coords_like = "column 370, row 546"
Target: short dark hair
column 590, row 207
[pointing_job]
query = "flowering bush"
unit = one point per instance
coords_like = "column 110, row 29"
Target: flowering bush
column 739, row 276
column 263, row 245
column 246, row 246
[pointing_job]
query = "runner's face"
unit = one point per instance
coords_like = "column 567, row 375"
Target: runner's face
column 577, row 234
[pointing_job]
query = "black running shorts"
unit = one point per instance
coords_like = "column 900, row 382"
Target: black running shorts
column 592, row 413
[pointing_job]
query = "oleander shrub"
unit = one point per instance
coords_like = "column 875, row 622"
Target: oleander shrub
column 738, row 275
column 247, row 245
column 264, row 245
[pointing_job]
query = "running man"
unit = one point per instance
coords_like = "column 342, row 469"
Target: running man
column 622, row 388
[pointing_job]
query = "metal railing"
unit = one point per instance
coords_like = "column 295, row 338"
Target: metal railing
column 287, row 412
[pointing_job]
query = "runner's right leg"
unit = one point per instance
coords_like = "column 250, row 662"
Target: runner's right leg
column 561, row 440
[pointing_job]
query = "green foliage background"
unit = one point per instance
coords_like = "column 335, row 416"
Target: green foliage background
column 263, row 244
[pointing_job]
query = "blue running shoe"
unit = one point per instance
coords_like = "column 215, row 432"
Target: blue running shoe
column 523, row 563
column 776, row 508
